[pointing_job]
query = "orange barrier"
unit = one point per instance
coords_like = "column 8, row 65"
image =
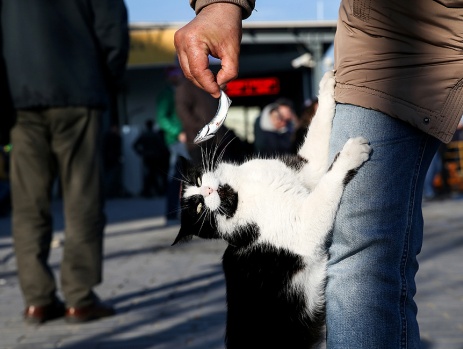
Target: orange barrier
column 453, row 160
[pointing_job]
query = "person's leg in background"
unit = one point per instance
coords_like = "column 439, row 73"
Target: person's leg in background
column 377, row 235
column 76, row 143
column 174, row 180
column 147, row 178
column 32, row 174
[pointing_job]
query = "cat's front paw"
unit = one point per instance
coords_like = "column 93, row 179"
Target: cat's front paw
column 355, row 152
column 327, row 84
column 326, row 93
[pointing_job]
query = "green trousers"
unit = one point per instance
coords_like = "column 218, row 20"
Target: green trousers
column 46, row 143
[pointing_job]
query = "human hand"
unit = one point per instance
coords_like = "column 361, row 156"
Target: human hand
column 217, row 31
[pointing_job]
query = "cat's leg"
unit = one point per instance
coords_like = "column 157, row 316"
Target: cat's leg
column 315, row 148
column 318, row 213
column 319, row 209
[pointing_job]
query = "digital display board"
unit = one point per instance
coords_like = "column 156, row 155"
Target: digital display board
column 253, row 87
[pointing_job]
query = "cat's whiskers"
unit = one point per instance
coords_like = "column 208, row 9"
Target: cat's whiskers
column 221, row 211
column 217, row 145
column 222, row 153
column 213, row 155
column 210, row 159
column 210, row 217
column 209, row 156
column 184, row 178
column 203, row 157
column 177, row 210
column 180, row 179
column 203, row 216
column 184, row 207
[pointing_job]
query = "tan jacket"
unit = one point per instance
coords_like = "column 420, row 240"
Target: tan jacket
column 401, row 57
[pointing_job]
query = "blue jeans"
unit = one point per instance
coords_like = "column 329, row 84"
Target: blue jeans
column 377, row 235
column 434, row 169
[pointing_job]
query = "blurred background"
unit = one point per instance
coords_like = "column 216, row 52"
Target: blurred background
column 285, row 51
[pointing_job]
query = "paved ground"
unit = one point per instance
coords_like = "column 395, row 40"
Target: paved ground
column 173, row 297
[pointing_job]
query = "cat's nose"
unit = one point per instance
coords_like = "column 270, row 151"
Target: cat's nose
column 206, row 191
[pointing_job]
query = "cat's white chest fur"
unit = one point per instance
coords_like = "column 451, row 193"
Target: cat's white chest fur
column 263, row 185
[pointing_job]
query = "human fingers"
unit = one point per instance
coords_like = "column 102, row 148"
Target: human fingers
column 193, row 58
column 215, row 31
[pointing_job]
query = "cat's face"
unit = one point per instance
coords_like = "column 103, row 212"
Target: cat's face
column 203, row 199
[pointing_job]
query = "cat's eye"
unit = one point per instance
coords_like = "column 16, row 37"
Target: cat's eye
column 199, row 207
column 198, row 181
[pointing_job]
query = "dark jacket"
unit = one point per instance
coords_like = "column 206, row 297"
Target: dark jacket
column 64, row 53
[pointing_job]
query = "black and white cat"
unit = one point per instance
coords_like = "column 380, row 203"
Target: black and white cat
column 275, row 215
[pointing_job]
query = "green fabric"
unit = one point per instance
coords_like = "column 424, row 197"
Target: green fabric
column 166, row 115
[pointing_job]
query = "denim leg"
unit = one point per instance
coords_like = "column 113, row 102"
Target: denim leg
column 377, row 235
column 433, row 170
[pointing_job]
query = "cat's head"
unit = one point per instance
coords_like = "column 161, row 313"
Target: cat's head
column 203, row 199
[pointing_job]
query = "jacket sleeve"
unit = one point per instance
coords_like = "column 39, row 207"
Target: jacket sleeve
column 112, row 32
column 246, row 5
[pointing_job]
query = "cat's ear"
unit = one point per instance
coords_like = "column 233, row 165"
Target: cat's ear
column 183, row 236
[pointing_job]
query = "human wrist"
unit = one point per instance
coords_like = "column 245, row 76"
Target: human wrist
column 240, row 6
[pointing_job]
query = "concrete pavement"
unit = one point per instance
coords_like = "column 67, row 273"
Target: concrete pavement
column 174, row 297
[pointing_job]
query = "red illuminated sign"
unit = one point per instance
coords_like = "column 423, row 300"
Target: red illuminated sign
column 253, row 87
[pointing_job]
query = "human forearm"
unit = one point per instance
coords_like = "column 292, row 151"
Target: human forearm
column 246, row 5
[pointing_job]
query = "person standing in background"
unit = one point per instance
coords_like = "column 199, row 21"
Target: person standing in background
column 273, row 129
column 151, row 147
column 63, row 66
column 5, row 193
column 112, row 163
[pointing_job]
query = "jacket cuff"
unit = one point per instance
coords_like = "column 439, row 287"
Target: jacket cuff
column 246, row 5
